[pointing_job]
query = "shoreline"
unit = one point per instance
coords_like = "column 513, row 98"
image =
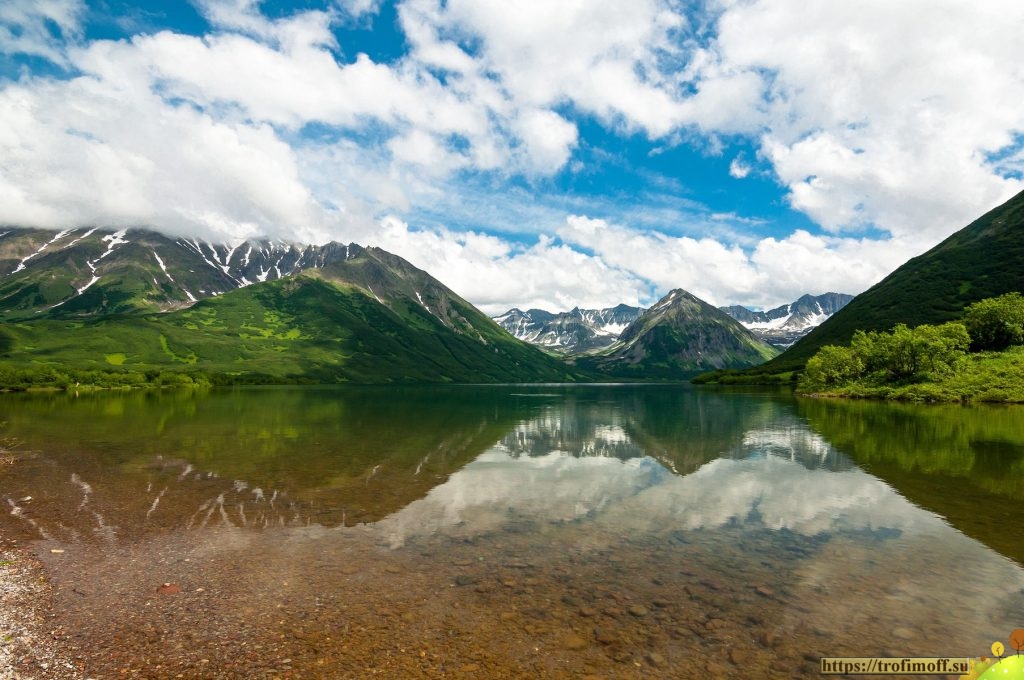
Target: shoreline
column 28, row 649
column 907, row 398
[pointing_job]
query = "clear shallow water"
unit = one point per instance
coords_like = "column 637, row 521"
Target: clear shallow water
column 514, row 531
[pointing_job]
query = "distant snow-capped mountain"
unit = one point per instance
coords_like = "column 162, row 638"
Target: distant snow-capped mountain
column 572, row 332
column 785, row 325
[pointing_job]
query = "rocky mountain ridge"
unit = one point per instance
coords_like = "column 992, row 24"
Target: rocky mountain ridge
column 331, row 312
column 89, row 271
column 139, row 302
column 572, row 332
column 784, row 325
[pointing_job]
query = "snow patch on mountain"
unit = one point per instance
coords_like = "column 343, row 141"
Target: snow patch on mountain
column 786, row 324
column 59, row 236
column 88, row 285
column 613, row 329
column 572, row 332
column 82, row 237
column 163, row 267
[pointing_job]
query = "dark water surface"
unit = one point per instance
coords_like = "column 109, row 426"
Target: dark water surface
column 540, row 531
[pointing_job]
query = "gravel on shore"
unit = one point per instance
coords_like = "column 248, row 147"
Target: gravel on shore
column 27, row 648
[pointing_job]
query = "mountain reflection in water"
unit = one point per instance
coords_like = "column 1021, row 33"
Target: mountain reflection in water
column 516, row 531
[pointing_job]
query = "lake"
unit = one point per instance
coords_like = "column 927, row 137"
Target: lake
column 513, row 531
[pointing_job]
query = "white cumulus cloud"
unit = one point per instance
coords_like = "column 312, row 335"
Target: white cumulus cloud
column 497, row 274
column 738, row 168
column 899, row 121
column 82, row 152
column 25, row 27
column 774, row 270
column 882, row 113
column 601, row 56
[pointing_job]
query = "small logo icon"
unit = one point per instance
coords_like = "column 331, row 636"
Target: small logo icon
column 1006, row 668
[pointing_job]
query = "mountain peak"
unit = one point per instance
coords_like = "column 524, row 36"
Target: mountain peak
column 90, row 271
column 681, row 335
column 263, row 311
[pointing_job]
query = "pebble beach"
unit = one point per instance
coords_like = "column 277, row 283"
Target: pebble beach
column 27, row 648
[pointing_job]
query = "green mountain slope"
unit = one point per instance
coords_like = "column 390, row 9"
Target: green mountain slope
column 678, row 337
column 304, row 328
column 126, row 301
column 86, row 272
column 91, row 272
column 411, row 292
column 985, row 259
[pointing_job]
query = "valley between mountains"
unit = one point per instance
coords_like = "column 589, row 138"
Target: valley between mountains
column 134, row 302
column 133, row 306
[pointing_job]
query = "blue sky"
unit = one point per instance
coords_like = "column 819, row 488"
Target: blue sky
column 533, row 154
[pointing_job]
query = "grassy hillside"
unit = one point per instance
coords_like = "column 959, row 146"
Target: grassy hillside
column 985, row 259
column 102, row 307
column 303, row 328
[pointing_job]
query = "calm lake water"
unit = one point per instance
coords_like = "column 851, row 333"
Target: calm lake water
column 513, row 531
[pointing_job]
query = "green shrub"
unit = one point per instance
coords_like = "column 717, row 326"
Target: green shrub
column 832, row 366
column 996, row 323
column 926, row 363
